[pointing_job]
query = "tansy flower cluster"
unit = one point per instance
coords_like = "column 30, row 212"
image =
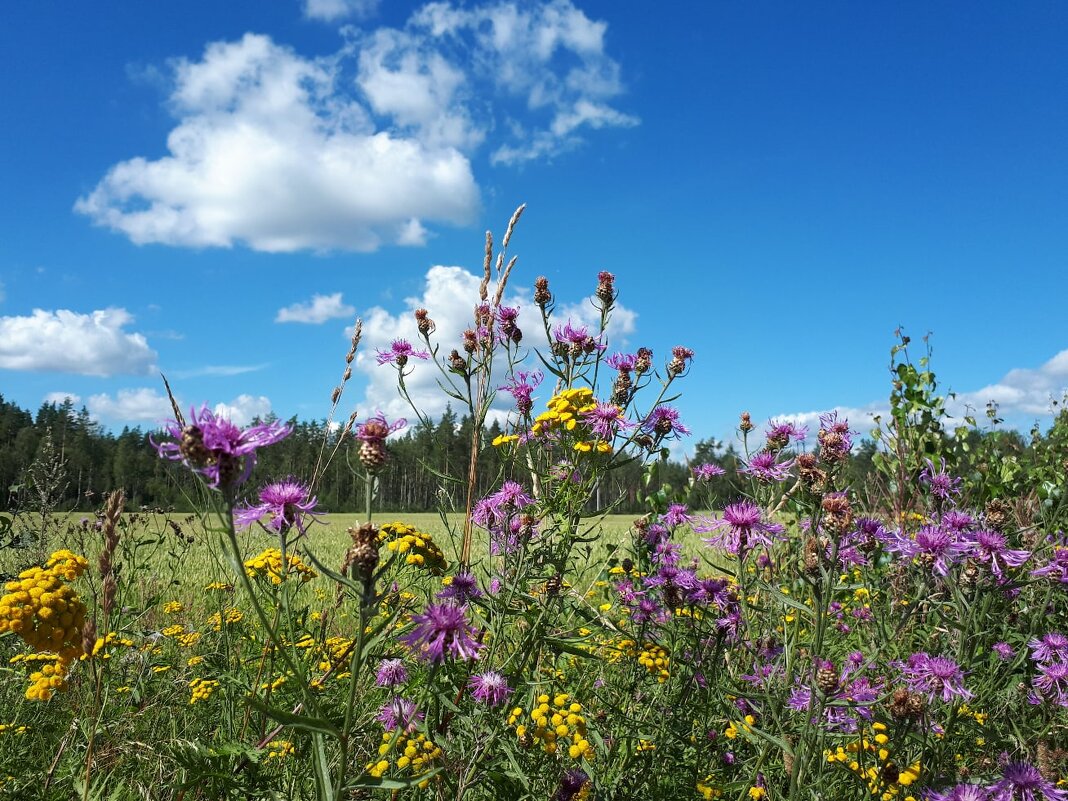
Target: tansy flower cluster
column 417, row 547
column 202, row 689
column 553, row 725
column 230, row 617
column 565, row 410
column 48, row 615
column 869, row 759
column 416, row 754
column 268, row 566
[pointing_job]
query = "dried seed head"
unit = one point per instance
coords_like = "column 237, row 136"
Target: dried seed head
column 457, row 363
column 812, row 477
column 837, row 512
column 998, row 514
column 470, row 340
column 810, row 561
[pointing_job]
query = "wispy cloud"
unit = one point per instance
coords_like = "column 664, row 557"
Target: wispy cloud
column 332, row 10
column 315, row 311
column 221, row 370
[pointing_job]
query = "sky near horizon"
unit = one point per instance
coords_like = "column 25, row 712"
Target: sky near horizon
column 217, row 190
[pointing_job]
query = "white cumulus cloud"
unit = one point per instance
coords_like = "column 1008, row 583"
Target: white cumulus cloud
column 315, row 311
column 65, row 341
column 61, row 397
column 142, row 405
column 1022, row 391
column 366, row 146
column 268, row 152
column 243, row 409
column 449, row 295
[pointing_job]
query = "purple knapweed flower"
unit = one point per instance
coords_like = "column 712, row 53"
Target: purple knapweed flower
column 213, row 446
column 1049, row 647
column 399, row 714
column 520, row 386
column 939, row 482
column 781, row 434
column 1052, row 682
column 572, row 783
column 934, row 676
column 663, row 423
column 1056, row 568
column 400, row 351
column 933, row 547
column 1003, row 650
column 443, row 631
column 834, row 437
column 506, row 319
column 377, row 428
column 741, row 528
column 957, row 521
column 577, row 339
column 1023, row 782
column 500, row 506
column 676, row 515
column 391, row 673
column 707, row 471
column 990, row 547
column 462, row 588
column 765, row 467
column 605, row 419
column 490, row 688
column 623, row 362
column 284, row 504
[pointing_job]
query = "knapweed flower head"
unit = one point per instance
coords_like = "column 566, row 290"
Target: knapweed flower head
column 372, row 435
column 1049, row 647
column 506, row 320
column 216, row 448
column 934, row 677
column 391, row 673
column 605, row 420
column 283, row 505
column 461, row 588
column 489, row 688
column 521, row 386
column 932, row 547
column 764, row 466
column 663, row 423
column 991, row 548
column 960, row 792
column 1021, row 781
column 399, row 714
column 740, row 529
column 623, row 362
column 707, row 471
column 834, row 438
column 575, row 340
column 400, row 351
column 680, row 359
column 938, row 481
column 781, row 434
column 442, row 632
column 499, row 507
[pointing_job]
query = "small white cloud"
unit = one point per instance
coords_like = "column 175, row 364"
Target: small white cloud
column 449, row 295
column 1022, row 391
column 64, row 341
column 143, row 405
column 243, row 409
column 61, row 397
column 315, row 311
column 331, row 10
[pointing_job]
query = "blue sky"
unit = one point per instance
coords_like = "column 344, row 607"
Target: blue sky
column 777, row 187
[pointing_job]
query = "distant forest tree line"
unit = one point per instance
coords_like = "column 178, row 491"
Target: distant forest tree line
column 62, row 458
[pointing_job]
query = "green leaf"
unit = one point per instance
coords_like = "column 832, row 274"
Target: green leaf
column 295, row 719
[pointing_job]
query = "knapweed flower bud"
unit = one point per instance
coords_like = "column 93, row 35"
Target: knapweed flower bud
column 423, row 322
column 470, row 340
column 542, row 295
column 745, row 424
column 643, row 361
column 998, row 514
column 457, row 363
column 680, row 357
column 826, row 676
column 372, row 434
column 606, row 290
column 362, row 557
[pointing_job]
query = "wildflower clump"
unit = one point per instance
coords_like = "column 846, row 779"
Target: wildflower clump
column 417, row 547
column 412, row 753
column 202, row 689
column 46, row 612
column 557, row 721
column 268, row 566
column 869, row 759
